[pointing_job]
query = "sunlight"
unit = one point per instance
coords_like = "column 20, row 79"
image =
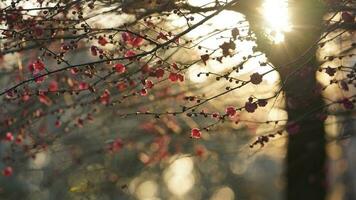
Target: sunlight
column 147, row 190
column 179, row 176
column 276, row 15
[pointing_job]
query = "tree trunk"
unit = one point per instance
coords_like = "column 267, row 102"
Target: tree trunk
column 306, row 156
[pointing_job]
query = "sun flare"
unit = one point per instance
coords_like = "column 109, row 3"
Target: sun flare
column 276, row 14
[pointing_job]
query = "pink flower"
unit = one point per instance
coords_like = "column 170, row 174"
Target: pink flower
column 230, row 111
column 195, row 133
column 149, row 84
column 121, row 86
column 347, row 104
column 293, row 128
column 250, row 107
column 173, row 77
column 83, row 86
column 159, row 73
column 129, row 54
column 102, row 41
column 44, row 99
column 53, row 86
column 7, row 171
column 120, row 68
column 9, row 137
column 143, row 92
column 105, row 97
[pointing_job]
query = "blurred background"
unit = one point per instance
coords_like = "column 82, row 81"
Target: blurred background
column 78, row 148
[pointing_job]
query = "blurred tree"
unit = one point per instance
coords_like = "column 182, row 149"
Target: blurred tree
column 306, row 156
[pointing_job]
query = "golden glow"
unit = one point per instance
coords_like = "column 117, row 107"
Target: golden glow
column 275, row 13
column 179, row 176
column 223, row 193
column 147, row 190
